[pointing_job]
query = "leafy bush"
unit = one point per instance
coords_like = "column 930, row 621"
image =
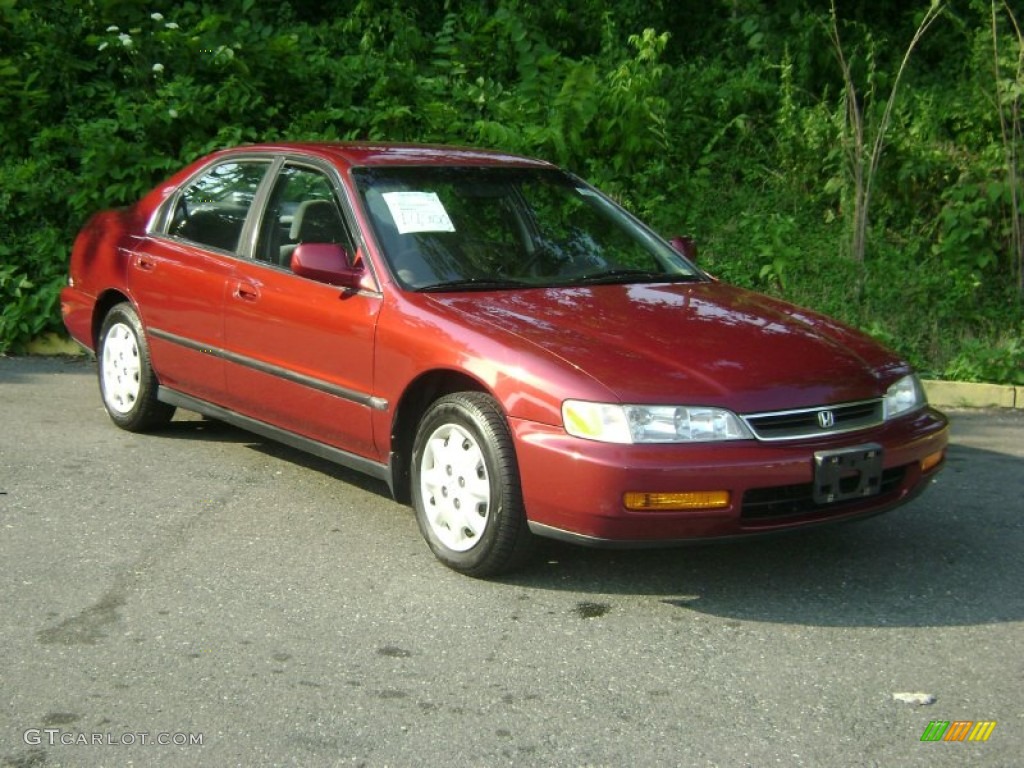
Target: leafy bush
column 979, row 360
column 722, row 122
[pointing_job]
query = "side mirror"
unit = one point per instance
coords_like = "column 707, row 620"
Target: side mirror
column 686, row 245
column 326, row 263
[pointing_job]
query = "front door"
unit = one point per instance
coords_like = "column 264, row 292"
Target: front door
column 299, row 352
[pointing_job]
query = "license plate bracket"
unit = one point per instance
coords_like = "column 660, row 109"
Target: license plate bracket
column 850, row 473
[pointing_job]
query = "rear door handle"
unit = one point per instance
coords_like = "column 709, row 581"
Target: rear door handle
column 145, row 263
column 247, row 292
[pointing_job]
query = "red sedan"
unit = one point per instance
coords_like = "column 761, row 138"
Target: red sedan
column 505, row 346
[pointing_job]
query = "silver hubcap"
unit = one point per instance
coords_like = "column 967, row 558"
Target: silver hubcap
column 121, row 369
column 455, row 488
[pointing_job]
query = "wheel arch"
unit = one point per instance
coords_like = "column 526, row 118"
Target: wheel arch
column 104, row 302
column 417, row 398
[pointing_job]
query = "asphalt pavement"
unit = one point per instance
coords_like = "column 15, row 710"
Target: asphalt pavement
column 202, row 597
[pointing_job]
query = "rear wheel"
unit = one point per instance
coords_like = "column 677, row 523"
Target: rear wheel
column 466, row 488
column 127, row 382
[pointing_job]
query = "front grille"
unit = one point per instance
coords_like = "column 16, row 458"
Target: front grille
column 779, row 502
column 815, row 422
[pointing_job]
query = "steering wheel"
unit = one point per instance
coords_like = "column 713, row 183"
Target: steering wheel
column 543, row 261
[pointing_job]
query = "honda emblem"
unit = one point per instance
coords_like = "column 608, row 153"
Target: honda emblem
column 826, row 419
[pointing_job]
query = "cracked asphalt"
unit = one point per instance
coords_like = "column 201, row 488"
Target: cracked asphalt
column 202, row 597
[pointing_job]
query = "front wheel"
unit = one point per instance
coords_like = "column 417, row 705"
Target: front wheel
column 466, row 489
column 127, row 382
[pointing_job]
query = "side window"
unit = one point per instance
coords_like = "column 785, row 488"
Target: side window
column 211, row 211
column 302, row 209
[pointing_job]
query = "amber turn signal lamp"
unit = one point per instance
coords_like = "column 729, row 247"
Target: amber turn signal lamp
column 930, row 462
column 638, row 501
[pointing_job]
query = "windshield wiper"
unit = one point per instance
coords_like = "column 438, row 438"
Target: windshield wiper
column 472, row 284
column 628, row 275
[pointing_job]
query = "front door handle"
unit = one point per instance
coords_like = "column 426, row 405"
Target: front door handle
column 247, row 292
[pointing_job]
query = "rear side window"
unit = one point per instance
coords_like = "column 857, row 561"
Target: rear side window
column 211, row 211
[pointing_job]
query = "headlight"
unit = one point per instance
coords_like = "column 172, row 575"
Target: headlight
column 613, row 423
column 904, row 396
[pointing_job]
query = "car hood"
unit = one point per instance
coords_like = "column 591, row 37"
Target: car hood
column 688, row 343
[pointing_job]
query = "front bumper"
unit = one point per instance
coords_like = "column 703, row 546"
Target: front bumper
column 574, row 488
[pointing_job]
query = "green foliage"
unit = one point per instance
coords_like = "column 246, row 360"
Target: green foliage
column 981, row 360
column 722, row 120
column 28, row 307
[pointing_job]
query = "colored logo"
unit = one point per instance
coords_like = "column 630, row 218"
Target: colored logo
column 958, row 730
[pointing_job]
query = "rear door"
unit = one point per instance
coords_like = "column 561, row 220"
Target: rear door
column 179, row 275
column 300, row 352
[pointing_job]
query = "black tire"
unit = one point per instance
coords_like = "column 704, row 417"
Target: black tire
column 466, row 488
column 127, row 383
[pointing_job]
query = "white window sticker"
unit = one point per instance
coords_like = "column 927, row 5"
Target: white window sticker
column 418, row 212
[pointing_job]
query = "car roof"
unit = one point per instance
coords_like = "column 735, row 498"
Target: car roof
column 360, row 154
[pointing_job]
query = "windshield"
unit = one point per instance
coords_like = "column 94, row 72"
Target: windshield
column 474, row 228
